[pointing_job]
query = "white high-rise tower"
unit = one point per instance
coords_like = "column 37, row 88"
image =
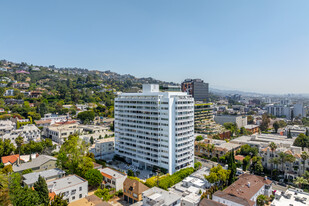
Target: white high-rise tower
column 155, row 128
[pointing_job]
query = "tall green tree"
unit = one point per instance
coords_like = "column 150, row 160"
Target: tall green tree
column 19, row 142
column 265, row 122
column 72, row 156
column 86, row 116
column 302, row 141
column 276, row 126
column 273, row 148
column 300, row 181
column 4, row 190
column 232, row 167
column 256, row 165
column 41, row 188
column 289, row 135
column 304, row 156
column 94, row 177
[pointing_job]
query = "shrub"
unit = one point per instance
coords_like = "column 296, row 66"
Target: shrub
column 199, row 138
column 103, row 194
column 214, row 159
column 173, row 179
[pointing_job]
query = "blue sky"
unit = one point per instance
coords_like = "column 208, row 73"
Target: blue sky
column 260, row 46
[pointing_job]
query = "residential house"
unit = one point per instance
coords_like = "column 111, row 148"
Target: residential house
column 113, row 178
column 21, row 85
column 41, row 163
column 11, row 160
column 52, row 174
column 192, row 187
column 73, row 187
column 132, row 190
column 244, row 191
column 14, row 101
column 9, row 92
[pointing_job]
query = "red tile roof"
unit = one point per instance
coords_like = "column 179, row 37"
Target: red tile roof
column 106, row 175
column 239, row 157
column 12, row 159
column 241, row 187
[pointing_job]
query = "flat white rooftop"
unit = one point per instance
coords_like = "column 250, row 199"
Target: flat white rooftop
column 291, row 197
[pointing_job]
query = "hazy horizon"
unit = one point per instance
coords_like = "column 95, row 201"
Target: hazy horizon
column 251, row 46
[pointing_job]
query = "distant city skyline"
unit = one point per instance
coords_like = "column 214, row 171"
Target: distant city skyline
column 253, row 46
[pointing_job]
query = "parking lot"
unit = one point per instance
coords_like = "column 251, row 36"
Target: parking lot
column 142, row 174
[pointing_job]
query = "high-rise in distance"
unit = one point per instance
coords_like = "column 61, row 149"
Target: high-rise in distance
column 197, row 88
column 155, row 128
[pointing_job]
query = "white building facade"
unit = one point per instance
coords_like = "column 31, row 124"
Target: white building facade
column 73, row 187
column 155, row 128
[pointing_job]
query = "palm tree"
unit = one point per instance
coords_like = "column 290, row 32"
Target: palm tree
column 210, row 148
column 289, row 158
column 19, row 142
column 304, row 156
column 275, row 161
column 300, row 181
column 282, row 158
column 273, row 147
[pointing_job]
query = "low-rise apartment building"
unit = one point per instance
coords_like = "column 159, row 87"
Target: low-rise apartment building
column 252, row 128
column 52, row 174
column 60, row 131
column 55, row 118
column 291, row 169
column 244, row 191
column 103, row 147
column 41, row 163
column 73, row 187
column 6, row 126
column 29, row 132
column 113, row 178
column 295, row 130
column 132, row 190
column 214, row 148
column 263, row 140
